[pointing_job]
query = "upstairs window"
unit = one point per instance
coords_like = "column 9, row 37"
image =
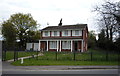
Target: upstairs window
column 77, row 32
column 46, row 33
column 66, row 33
column 55, row 33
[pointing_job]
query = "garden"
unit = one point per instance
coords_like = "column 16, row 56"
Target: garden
column 91, row 57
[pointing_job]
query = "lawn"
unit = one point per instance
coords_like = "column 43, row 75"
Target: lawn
column 10, row 54
column 34, row 62
column 67, row 58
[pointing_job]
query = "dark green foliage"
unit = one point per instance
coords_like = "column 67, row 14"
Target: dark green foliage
column 102, row 41
column 20, row 27
column 9, row 33
column 117, row 44
column 105, row 43
column 91, row 39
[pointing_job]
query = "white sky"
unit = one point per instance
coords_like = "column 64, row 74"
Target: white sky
column 51, row 11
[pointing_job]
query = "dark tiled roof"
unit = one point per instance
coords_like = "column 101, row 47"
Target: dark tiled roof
column 77, row 26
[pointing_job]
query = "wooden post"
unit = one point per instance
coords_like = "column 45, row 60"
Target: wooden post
column 22, row 61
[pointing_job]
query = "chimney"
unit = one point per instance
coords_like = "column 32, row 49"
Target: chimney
column 60, row 24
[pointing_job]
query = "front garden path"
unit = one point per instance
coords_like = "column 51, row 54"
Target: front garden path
column 25, row 57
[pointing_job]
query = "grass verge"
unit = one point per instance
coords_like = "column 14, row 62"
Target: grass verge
column 34, row 62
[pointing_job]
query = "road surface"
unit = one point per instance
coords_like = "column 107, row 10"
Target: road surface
column 91, row 71
column 10, row 69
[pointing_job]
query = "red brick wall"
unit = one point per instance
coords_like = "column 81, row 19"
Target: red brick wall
column 85, row 38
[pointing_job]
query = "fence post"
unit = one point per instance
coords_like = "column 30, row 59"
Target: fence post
column 91, row 56
column 37, row 54
column 14, row 55
column 56, row 55
column 22, row 61
column 106, row 56
column 74, row 55
column 4, row 55
column 17, row 50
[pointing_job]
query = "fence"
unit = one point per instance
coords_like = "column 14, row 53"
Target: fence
column 76, row 56
column 15, row 54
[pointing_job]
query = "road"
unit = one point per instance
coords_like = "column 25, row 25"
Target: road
column 10, row 69
column 91, row 71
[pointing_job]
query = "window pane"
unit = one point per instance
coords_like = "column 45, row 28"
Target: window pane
column 77, row 32
column 46, row 33
column 66, row 33
column 66, row 45
column 53, row 45
column 55, row 33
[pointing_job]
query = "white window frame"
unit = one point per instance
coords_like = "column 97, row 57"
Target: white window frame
column 68, row 33
column 57, row 33
column 53, row 44
column 74, row 33
column 77, row 32
column 66, row 44
column 44, row 33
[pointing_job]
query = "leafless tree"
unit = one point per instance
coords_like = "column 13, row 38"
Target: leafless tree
column 109, row 18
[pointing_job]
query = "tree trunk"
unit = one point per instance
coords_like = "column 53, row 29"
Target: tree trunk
column 107, row 33
column 111, row 34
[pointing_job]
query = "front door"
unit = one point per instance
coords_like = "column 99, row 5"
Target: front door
column 75, row 45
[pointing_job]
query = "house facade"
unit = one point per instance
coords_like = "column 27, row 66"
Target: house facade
column 64, row 38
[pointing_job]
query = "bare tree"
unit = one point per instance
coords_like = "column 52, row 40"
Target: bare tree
column 109, row 20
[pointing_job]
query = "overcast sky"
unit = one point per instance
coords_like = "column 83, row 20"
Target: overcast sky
column 51, row 11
